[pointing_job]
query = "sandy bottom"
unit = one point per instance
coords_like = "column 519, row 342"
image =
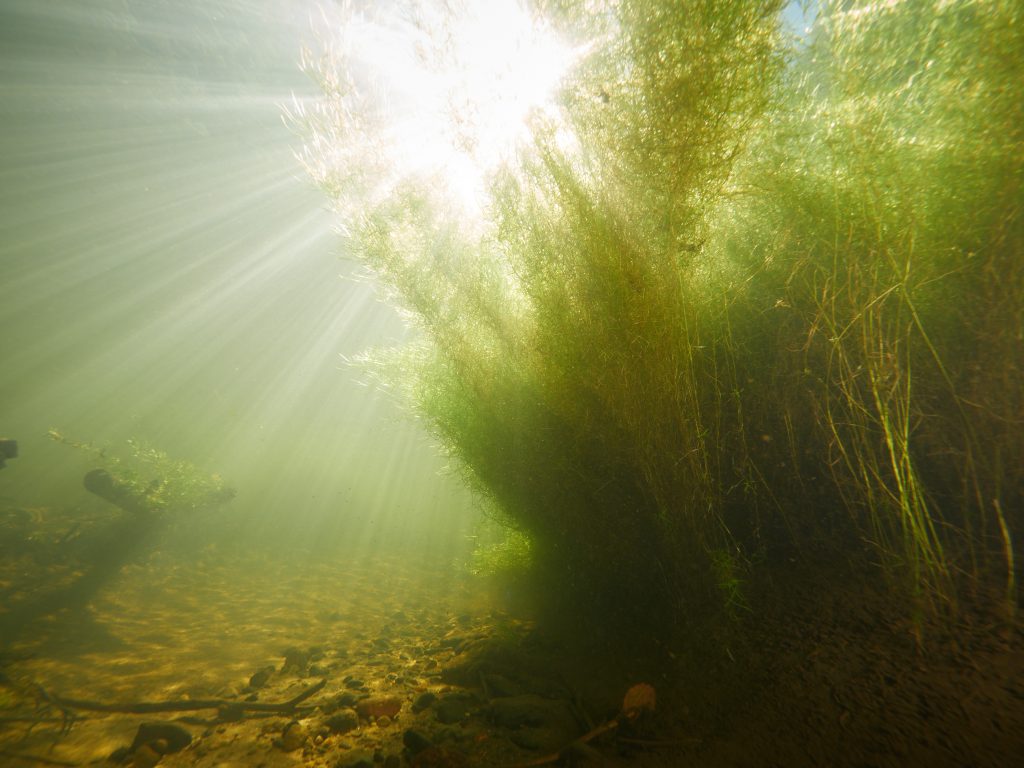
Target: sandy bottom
column 177, row 630
column 416, row 663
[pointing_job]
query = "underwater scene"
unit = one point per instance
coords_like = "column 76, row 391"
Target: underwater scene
column 511, row 383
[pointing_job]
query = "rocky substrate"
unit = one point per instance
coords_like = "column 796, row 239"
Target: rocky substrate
column 469, row 699
column 410, row 663
column 235, row 658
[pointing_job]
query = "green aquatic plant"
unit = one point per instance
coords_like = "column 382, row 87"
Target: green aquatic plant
column 148, row 479
column 897, row 228
column 500, row 550
column 728, row 569
column 733, row 295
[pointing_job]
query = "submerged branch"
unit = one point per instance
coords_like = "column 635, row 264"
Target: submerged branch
column 147, row 707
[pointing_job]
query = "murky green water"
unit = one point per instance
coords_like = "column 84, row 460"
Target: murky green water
column 721, row 319
column 169, row 276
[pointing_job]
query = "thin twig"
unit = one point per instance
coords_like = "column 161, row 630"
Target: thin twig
column 146, row 707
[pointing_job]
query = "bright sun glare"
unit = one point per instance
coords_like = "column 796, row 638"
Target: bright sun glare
column 453, row 86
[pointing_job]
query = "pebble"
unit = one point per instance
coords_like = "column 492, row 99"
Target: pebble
column 342, row 722
column 535, row 722
column 261, row 678
column 167, row 736
column 379, row 706
column 423, row 701
column 453, row 708
column 295, row 660
column 345, row 700
column 294, row 737
column 415, row 741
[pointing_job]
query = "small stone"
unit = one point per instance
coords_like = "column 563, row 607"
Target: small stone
column 453, row 709
column 380, row 706
column 173, row 738
column 536, row 722
column 261, row 678
column 343, row 701
column 415, row 741
column 342, row 722
column 392, row 761
column 383, row 721
column 294, row 737
column 423, row 701
column 295, row 660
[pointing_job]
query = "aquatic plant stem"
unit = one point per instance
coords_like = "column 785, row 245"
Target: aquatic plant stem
column 1011, row 570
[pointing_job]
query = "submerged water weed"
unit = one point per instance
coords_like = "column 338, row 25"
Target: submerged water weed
column 507, row 554
column 913, row 168
column 727, row 570
column 160, row 482
column 729, row 292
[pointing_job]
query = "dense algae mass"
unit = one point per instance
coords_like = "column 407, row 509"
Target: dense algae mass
column 765, row 303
